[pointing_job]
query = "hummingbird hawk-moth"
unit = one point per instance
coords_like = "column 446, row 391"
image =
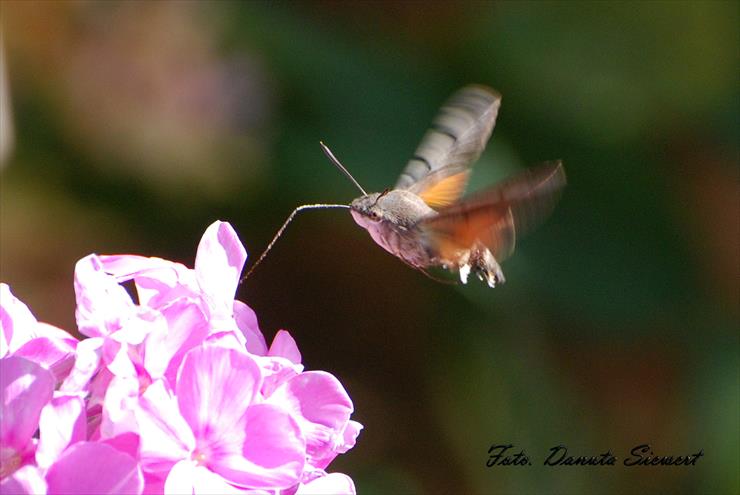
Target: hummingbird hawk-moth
column 422, row 219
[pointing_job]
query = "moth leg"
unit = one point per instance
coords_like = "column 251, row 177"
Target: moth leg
column 463, row 266
column 437, row 279
column 485, row 266
column 478, row 260
column 422, row 270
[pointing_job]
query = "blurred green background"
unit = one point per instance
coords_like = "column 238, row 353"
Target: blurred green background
column 138, row 124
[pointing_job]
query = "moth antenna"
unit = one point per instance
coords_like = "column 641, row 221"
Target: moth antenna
column 338, row 164
column 280, row 231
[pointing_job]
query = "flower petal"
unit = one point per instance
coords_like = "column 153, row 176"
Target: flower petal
column 275, row 372
column 102, row 305
column 117, row 359
column 272, row 453
column 22, row 335
column 53, row 354
column 62, row 424
column 142, row 322
column 331, row 484
column 26, row 388
column 188, row 477
column 349, row 436
column 28, row 480
column 165, row 436
column 88, row 356
column 158, row 281
column 323, row 408
column 283, row 345
column 125, row 267
column 229, row 339
column 218, row 266
column 187, row 327
column 214, row 387
column 180, row 478
column 154, row 483
column 316, row 396
column 119, row 406
column 127, row 443
column 114, row 472
column 246, row 320
column 16, row 322
column 206, row 482
column 338, row 444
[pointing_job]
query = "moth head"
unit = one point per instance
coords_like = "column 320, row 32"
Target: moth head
column 365, row 210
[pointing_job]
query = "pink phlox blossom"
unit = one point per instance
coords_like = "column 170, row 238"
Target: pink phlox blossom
column 174, row 390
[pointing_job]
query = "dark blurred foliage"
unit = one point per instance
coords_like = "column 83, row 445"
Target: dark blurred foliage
column 137, row 124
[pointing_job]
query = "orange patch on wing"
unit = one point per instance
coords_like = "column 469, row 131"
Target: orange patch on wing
column 446, row 191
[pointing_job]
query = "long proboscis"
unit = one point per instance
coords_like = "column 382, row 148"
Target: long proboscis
column 285, row 224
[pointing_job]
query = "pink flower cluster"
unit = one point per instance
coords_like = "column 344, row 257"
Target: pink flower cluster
column 175, row 393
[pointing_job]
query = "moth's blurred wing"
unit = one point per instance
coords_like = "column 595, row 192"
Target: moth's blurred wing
column 452, row 233
column 497, row 216
column 438, row 171
column 444, row 192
